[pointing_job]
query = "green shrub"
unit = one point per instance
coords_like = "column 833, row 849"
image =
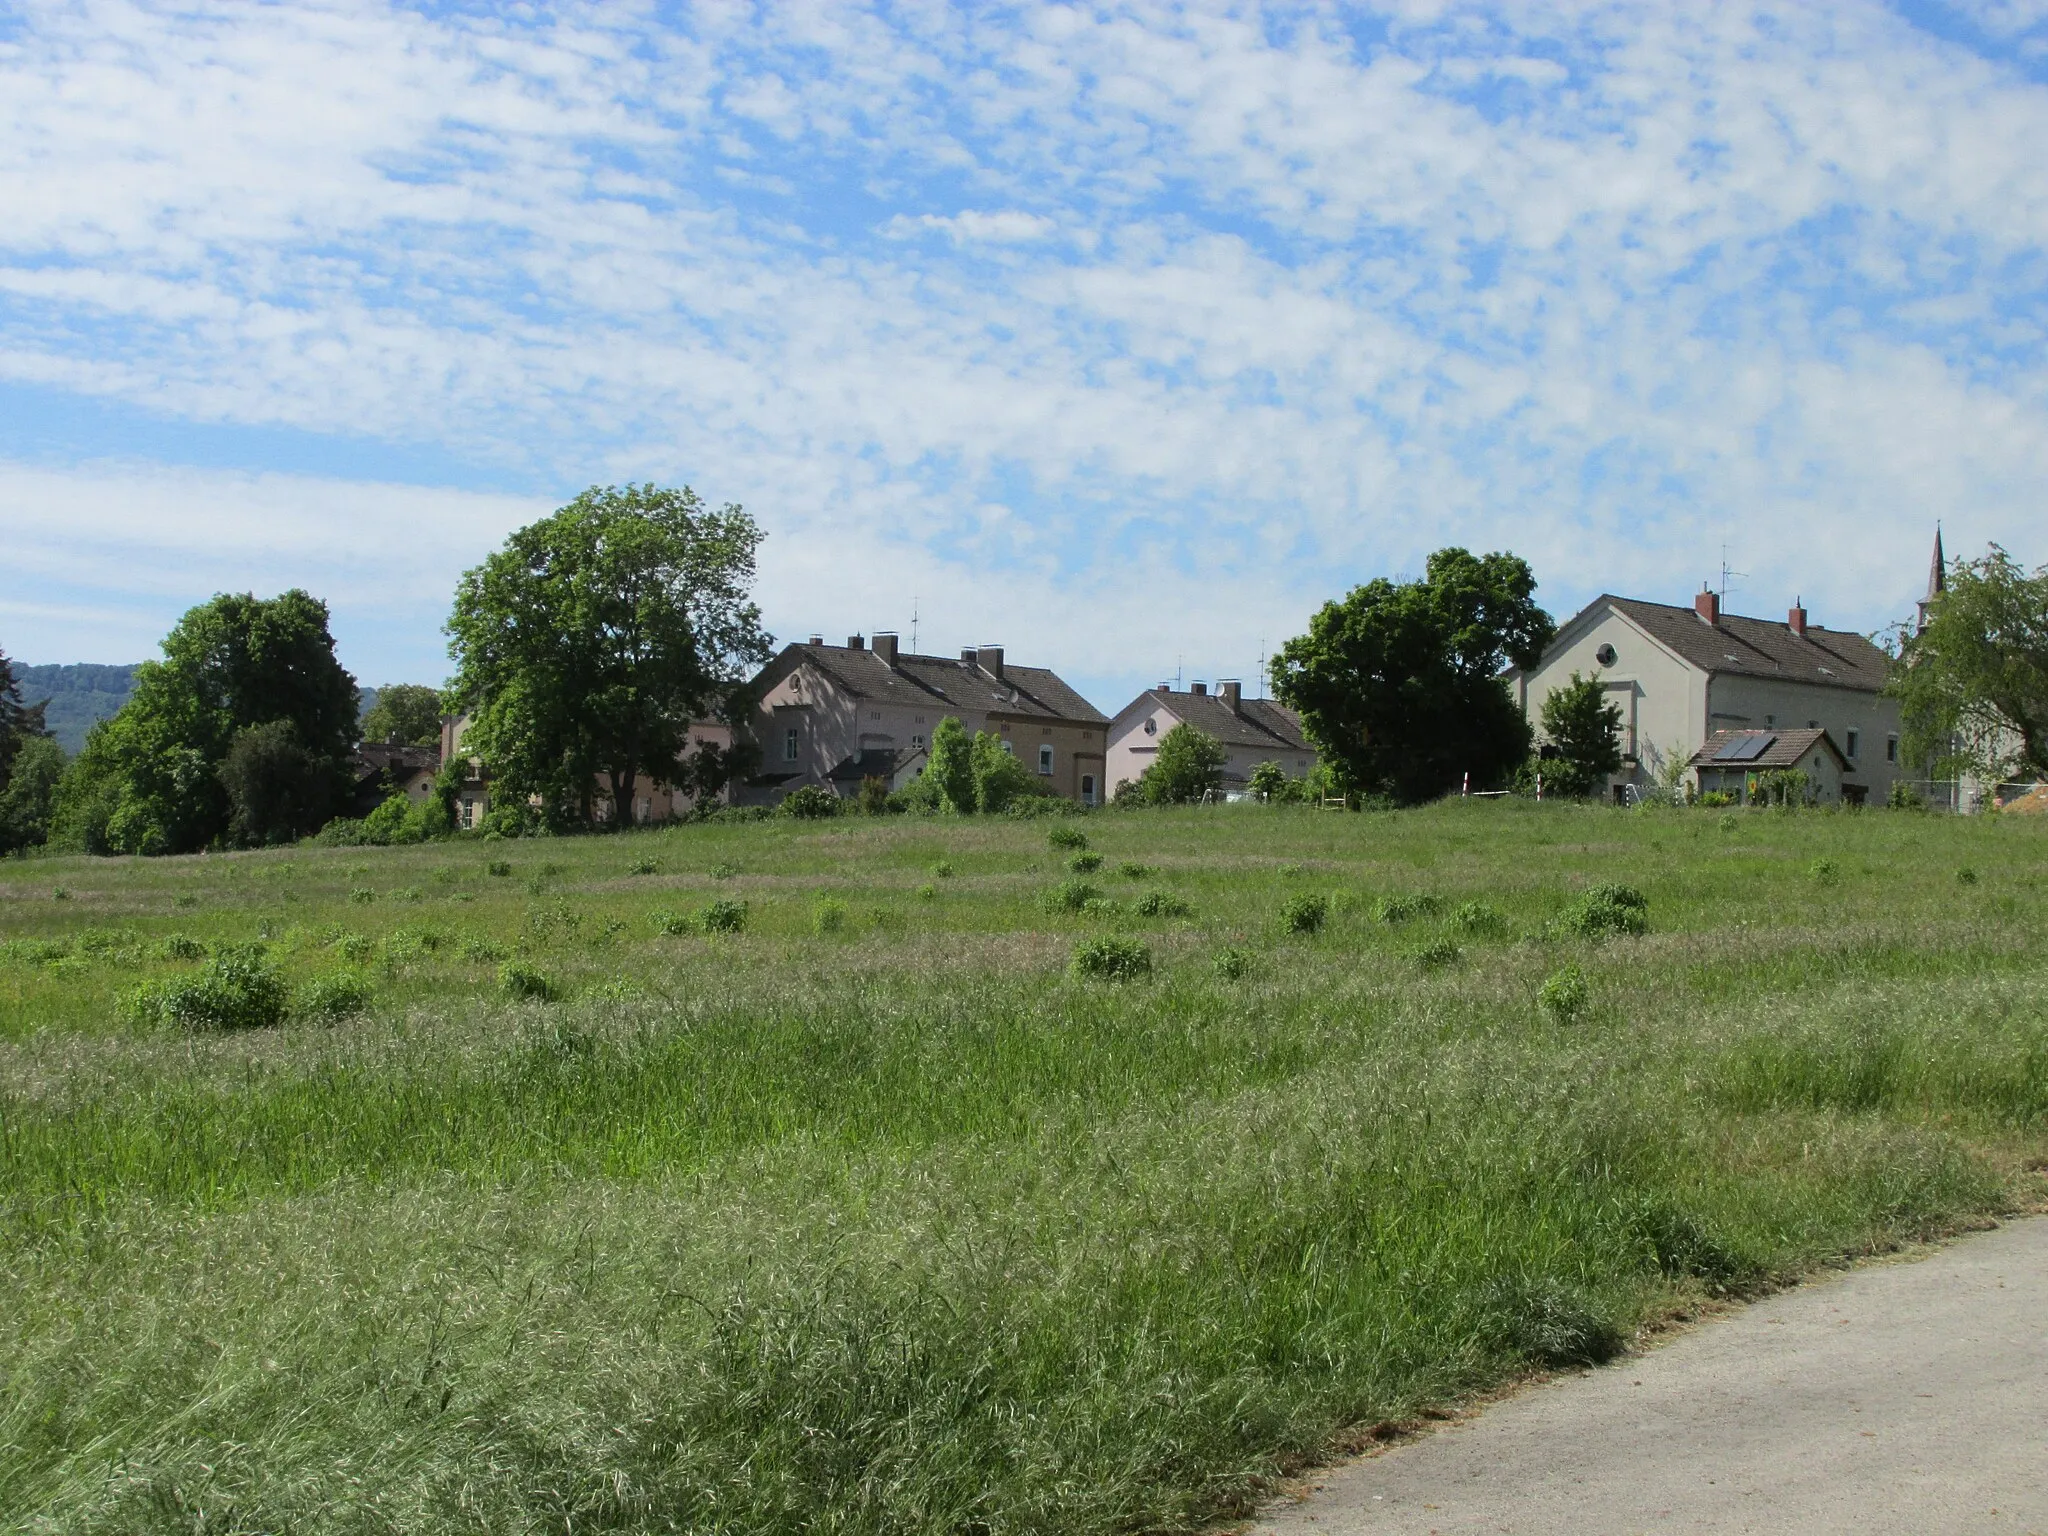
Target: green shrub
column 1966, row 876
column 528, row 983
column 1163, row 904
column 811, row 803
column 1716, row 799
column 489, row 951
column 1233, row 964
column 1305, row 914
column 337, row 995
column 1084, row 863
column 1564, row 994
column 942, row 870
column 672, row 923
column 1824, row 872
column 237, row 990
column 725, row 871
column 1904, row 797
column 1111, row 958
column 1607, row 909
column 409, row 893
column 1101, row 906
column 1729, row 821
column 643, row 866
column 828, row 916
column 724, row 917
column 1069, row 896
column 362, row 896
column 1067, row 837
column 1437, row 954
column 499, row 867
column 1403, row 909
column 1131, row 870
column 927, row 893
column 181, row 946
column 1476, row 917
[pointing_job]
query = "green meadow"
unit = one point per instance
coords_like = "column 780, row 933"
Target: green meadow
column 790, row 1176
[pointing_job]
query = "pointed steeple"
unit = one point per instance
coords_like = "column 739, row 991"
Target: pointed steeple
column 1937, row 579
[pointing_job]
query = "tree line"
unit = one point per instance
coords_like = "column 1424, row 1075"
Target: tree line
column 584, row 649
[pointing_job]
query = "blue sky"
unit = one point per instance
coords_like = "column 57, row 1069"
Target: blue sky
column 1121, row 335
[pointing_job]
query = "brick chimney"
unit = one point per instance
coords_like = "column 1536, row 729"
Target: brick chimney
column 969, row 656
column 1708, row 605
column 856, row 643
column 885, row 646
column 1233, row 694
column 992, row 661
column 1198, row 689
column 817, row 639
column 1796, row 619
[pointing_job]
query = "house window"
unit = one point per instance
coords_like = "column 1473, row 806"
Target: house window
column 1045, row 760
column 1891, row 749
column 1009, row 749
column 917, row 743
column 643, row 809
column 1854, row 738
column 1087, row 789
column 1605, row 655
column 789, row 746
column 1768, row 719
column 1151, row 727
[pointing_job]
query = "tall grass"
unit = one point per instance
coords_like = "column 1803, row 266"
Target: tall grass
column 891, row 1223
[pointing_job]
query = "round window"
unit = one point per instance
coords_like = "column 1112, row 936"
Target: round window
column 1605, row 655
column 1151, row 727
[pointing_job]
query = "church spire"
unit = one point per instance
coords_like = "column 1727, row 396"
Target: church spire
column 1937, row 578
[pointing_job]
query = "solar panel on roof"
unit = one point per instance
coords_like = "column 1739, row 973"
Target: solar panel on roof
column 1754, row 747
column 1730, row 749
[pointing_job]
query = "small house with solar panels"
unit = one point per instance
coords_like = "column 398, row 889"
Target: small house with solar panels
column 1693, row 680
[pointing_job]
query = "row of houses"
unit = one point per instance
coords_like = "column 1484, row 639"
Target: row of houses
column 1706, row 697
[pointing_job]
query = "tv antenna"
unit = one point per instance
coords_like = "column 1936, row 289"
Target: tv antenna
column 1728, row 577
column 913, row 625
column 1262, row 666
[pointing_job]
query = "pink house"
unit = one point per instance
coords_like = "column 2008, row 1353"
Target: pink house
column 1252, row 731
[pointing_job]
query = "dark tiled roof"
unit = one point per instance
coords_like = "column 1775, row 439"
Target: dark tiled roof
column 1026, row 692
column 1788, row 749
column 1829, row 658
column 1257, row 723
column 875, row 762
column 373, row 759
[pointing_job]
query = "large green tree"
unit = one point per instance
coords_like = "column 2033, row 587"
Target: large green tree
column 584, row 648
column 408, row 713
column 30, row 794
column 149, row 779
column 19, row 723
column 1187, row 767
column 1972, row 685
column 1585, row 730
column 1399, row 684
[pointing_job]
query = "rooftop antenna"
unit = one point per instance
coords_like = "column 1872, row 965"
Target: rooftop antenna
column 1262, row 666
column 913, row 625
column 1728, row 577
column 1176, row 674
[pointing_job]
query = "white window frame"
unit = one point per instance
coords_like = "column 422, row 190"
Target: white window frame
column 789, row 745
column 1045, row 759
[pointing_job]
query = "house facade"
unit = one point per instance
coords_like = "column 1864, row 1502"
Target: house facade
column 1252, row 731
column 831, row 715
column 382, row 769
column 1678, row 675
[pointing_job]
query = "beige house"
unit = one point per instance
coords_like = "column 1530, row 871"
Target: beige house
column 1252, row 731
column 832, row 715
column 1730, row 760
column 1679, row 675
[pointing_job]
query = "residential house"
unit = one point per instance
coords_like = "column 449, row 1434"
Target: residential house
column 1252, row 731
column 1730, row 762
column 832, row 715
column 1679, row 675
column 384, row 768
column 652, row 801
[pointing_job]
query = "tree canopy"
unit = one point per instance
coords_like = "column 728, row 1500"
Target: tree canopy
column 409, row 713
column 585, row 647
column 1188, row 765
column 1973, row 684
column 1585, row 730
column 149, row 779
column 19, row 723
column 1399, row 683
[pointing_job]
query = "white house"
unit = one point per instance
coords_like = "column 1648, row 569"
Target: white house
column 1252, row 731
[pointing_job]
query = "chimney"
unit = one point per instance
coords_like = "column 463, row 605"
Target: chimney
column 1708, row 605
column 992, row 661
column 1233, row 694
column 1163, row 688
column 817, row 639
column 856, row 643
column 885, row 646
column 969, row 656
column 1198, row 689
column 1796, row 619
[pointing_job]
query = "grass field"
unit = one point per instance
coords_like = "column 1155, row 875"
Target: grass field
column 873, row 1216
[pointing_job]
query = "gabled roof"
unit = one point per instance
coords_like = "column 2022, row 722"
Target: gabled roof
column 945, row 683
column 1827, row 658
column 1260, row 724
column 875, row 762
column 1781, row 749
column 373, row 759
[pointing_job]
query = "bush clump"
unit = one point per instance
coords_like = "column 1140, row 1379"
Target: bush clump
column 643, row 866
column 528, row 984
column 337, row 995
column 1163, row 904
column 1608, row 909
column 1111, row 958
column 1437, row 954
column 828, row 916
column 1072, row 838
column 488, row 951
column 1305, row 914
column 1084, row 863
column 1476, row 917
column 1564, row 995
column 238, row 989
column 943, row 870
column 1130, row 869
column 501, row 868
column 724, row 916
column 671, row 923
column 810, row 803
column 1070, row 896
column 181, row 946
column 1233, row 964
column 1404, row 909
column 1824, row 872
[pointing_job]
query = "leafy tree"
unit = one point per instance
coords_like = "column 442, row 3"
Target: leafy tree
column 149, row 779
column 1268, row 781
column 592, row 639
column 999, row 778
column 1586, row 731
column 949, row 766
column 30, row 794
column 1973, row 685
column 1399, row 684
column 405, row 712
column 1188, row 766
column 704, row 773
column 19, row 724
column 278, row 791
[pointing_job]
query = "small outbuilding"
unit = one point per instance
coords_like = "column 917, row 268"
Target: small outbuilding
column 1729, row 762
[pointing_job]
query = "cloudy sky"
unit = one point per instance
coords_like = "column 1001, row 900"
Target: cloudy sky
column 1122, row 335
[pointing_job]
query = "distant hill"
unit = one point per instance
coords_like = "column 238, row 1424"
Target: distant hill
column 83, row 694
column 79, row 695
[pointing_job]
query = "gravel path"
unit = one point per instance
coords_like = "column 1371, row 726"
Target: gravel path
column 1900, row 1397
